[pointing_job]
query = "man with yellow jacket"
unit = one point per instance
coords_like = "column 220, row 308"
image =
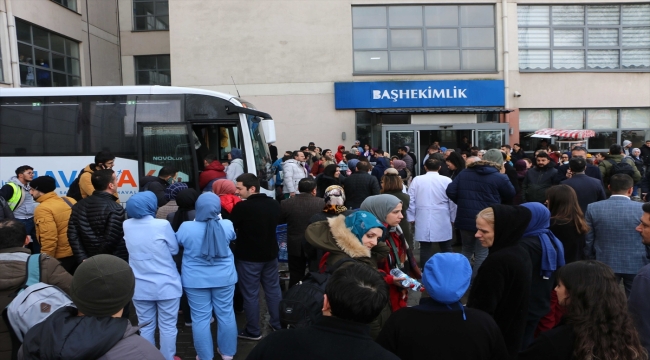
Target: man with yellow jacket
column 51, row 218
column 103, row 160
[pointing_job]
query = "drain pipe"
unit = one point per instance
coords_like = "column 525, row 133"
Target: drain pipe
column 13, row 45
column 506, row 52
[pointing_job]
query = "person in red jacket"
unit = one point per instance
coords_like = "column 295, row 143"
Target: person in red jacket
column 213, row 170
column 225, row 189
column 339, row 154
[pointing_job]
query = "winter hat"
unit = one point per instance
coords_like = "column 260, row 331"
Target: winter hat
column 626, row 143
column 446, row 277
column 493, row 155
column 44, row 184
column 102, row 285
column 352, row 164
column 172, row 190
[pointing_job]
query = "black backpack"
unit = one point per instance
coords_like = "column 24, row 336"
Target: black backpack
column 302, row 304
column 75, row 191
column 621, row 168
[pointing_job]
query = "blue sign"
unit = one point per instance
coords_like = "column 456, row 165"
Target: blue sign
column 418, row 94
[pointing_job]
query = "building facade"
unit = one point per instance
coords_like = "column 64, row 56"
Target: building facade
column 384, row 72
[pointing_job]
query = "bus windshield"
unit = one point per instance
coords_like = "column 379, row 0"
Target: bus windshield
column 261, row 154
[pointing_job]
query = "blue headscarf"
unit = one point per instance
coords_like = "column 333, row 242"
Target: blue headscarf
column 235, row 153
column 360, row 222
column 552, row 248
column 215, row 243
column 142, row 204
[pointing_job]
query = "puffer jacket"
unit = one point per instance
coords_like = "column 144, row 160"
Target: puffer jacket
column 95, row 227
column 86, row 186
column 536, row 182
column 13, row 269
column 64, row 335
column 334, row 237
column 51, row 219
column 213, row 171
column 605, row 167
column 474, row 189
column 293, row 172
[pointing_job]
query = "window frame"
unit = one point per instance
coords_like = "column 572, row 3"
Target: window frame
column 424, row 48
column 585, row 39
column 157, row 69
column 67, row 57
column 76, row 5
column 155, row 4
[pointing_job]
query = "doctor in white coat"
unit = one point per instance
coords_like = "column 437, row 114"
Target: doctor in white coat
column 431, row 211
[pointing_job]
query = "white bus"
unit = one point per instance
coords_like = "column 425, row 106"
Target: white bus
column 58, row 131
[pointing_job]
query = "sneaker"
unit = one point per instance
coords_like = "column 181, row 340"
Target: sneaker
column 245, row 335
column 224, row 357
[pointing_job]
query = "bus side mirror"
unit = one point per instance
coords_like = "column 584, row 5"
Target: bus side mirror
column 268, row 128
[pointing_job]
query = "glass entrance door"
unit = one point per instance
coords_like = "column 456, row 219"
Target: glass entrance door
column 490, row 139
column 397, row 139
column 167, row 144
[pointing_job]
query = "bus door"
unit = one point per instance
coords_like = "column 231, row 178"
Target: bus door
column 168, row 144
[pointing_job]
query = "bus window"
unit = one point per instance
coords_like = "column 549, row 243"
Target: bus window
column 218, row 139
column 167, row 145
column 261, row 154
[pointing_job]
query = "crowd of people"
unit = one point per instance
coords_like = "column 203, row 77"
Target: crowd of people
column 553, row 260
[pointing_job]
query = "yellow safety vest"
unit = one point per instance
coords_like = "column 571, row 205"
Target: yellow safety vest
column 16, row 198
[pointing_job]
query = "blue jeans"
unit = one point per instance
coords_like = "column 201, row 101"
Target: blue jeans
column 31, row 231
column 471, row 246
column 250, row 275
column 167, row 315
column 202, row 303
column 627, row 281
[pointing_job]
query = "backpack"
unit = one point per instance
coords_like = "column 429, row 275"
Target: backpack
column 302, row 304
column 33, row 303
column 75, row 191
column 621, row 168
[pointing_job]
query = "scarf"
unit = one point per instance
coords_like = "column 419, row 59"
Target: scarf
column 215, row 244
column 552, row 248
column 380, row 205
column 142, row 204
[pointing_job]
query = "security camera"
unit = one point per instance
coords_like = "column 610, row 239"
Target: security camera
column 517, row 94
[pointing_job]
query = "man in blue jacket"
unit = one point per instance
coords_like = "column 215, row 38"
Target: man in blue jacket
column 482, row 184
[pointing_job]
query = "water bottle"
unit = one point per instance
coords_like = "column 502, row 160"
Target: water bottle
column 408, row 281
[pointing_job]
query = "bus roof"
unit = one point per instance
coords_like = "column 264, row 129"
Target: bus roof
column 108, row 90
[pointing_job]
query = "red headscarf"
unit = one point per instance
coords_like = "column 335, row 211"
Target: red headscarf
column 226, row 191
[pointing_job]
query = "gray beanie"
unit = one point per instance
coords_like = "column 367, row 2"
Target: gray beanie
column 626, row 142
column 102, row 285
column 493, row 155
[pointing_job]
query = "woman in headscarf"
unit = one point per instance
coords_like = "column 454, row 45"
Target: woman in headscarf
column 400, row 166
column 392, row 184
column 330, row 176
column 388, row 209
column 225, row 189
column 546, row 254
column 185, row 199
column 597, row 324
column 502, row 284
column 151, row 243
column 170, row 194
column 236, row 166
column 209, row 277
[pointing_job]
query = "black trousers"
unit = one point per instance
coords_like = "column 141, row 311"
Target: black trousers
column 297, row 267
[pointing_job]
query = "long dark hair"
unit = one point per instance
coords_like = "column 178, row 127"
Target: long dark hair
column 596, row 308
column 564, row 207
column 455, row 159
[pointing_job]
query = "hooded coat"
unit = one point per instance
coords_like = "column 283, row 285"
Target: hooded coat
column 474, row 189
column 338, row 156
column 236, row 166
column 502, row 284
column 151, row 244
column 66, row 336
column 380, row 166
column 293, row 172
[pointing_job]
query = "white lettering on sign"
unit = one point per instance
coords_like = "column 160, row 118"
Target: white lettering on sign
column 429, row 93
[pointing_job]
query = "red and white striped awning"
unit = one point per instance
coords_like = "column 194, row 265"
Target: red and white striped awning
column 574, row 134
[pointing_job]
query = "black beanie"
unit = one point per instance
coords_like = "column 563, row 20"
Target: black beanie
column 102, row 285
column 44, row 184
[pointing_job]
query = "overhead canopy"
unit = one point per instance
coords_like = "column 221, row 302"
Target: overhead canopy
column 463, row 110
column 574, row 134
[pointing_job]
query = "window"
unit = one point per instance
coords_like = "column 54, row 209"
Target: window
column 150, row 15
column 584, row 38
column 152, row 70
column 70, row 4
column 423, row 39
column 46, row 59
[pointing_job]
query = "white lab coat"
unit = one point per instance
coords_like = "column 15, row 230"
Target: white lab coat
column 430, row 208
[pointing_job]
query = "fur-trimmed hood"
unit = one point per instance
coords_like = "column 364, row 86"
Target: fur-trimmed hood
column 482, row 166
column 334, row 237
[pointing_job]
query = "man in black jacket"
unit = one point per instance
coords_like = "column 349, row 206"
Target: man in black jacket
column 296, row 212
column 354, row 296
column 538, row 179
column 95, row 225
column 158, row 184
column 359, row 185
column 588, row 190
column 590, row 170
column 256, row 254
